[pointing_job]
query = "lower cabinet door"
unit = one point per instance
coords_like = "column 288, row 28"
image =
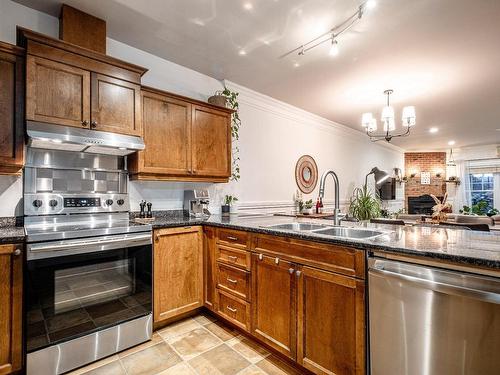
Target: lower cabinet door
column 331, row 323
column 11, row 286
column 178, row 271
column 274, row 303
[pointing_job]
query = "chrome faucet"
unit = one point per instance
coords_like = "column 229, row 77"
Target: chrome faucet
column 336, row 220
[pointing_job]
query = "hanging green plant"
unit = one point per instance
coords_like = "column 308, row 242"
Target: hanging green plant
column 232, row 102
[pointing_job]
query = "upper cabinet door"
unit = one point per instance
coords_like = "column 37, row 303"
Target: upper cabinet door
column 167, row 135
column 211, row 142
column 57, row 93
column 11, row 113
column 116, row 105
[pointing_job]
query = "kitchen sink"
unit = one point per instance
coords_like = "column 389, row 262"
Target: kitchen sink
column 348, row 232
column 328, row 230
column 297, row 227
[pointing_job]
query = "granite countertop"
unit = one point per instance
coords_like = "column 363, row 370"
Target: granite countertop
column 459, row 246
column 9, row 231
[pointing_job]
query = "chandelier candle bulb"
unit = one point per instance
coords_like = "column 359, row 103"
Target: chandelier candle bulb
column 366, row 120
column 409, row 117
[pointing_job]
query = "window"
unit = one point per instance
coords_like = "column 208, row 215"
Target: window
column 482, row 188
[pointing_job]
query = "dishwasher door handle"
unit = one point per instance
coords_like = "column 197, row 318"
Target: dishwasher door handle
column 439, row 286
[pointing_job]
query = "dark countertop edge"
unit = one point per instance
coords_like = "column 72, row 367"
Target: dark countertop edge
column 458, row 259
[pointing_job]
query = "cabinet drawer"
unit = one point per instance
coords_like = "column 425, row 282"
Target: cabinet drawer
column 233, row 280
column 233, row 237
column 233, row 309
column 234, row 257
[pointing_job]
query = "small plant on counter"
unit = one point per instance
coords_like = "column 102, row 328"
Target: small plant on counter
column 306, row 207
column 229, row 200
column 480, row 208
column 364, row 205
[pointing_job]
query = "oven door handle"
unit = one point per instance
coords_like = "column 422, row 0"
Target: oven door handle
column 125, row 241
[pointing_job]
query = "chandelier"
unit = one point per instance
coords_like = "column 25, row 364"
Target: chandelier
column 389, row 125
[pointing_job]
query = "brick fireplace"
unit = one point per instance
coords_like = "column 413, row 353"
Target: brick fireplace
column 418, row 162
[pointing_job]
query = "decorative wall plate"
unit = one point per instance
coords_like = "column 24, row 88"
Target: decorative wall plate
column 306, row 174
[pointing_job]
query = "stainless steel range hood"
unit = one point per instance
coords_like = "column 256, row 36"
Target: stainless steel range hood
column 56, row 137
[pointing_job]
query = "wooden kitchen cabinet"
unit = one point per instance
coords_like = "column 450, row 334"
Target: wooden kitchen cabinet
column 186, row 140
column 71, row 86
column 11, row 109
column 209, row 270
column 116, row 105
column 274, row 300
column 57, row 93
column 331, row 322
column 178, row 271
column 211, row 142
column 11, row 286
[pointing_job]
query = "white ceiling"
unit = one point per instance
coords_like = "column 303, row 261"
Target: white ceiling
column 442, row 56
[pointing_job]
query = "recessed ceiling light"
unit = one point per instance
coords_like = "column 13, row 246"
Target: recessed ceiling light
column 296, row 65
column 248, row 6
column 451, row 143
column 242, row 52
column 433, row 130
column 370, row 4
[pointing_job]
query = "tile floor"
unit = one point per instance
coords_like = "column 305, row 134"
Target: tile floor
column 198, row 345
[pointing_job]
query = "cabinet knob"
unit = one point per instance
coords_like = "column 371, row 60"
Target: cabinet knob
column 232, row 281
column 261, row 257
column 277, row 260
column 17, row 252
column 93, row 124
column 290, row 271
column 298, row 273
column 232, row 309
column 85, row 123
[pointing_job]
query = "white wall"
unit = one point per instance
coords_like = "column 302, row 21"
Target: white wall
column 272, row 137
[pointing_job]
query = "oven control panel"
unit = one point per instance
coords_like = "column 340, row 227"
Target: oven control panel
column 53, row 204
column 82, row 202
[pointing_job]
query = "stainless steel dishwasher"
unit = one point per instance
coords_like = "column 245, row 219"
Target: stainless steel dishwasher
column 431, row 321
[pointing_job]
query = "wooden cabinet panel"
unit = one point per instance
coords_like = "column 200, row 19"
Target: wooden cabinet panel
column 167, row 135
column 209, row 271
column 274, row 303
column 233, row 256
column 335, row 258
column 11, row 110
column 178, row 271
column 116, row 105
column 233, row 309
column 57, row 93
column 211, row 142
column 11, row 285
column 235, row 238
column 234, row 281
column 331, row 323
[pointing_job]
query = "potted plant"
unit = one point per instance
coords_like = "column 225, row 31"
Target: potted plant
column 307, row 207
column 364, row 205
column 228, row 201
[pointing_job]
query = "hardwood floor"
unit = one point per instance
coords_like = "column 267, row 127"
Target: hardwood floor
column 199, row 345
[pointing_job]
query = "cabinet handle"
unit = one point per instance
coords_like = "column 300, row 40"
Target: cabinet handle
column 232, row 258
column 277, row 260
column 261, row 257
column 16, row 252
column 85, row 123
column 231, row 309
column 290, row 271
column 298, row 273
column 232, row 238
column 93, row 124
column 232, row 281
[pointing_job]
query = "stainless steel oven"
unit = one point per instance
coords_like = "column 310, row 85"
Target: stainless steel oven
column 88, row 280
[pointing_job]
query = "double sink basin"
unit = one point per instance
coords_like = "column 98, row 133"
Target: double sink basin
column 328, row 230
